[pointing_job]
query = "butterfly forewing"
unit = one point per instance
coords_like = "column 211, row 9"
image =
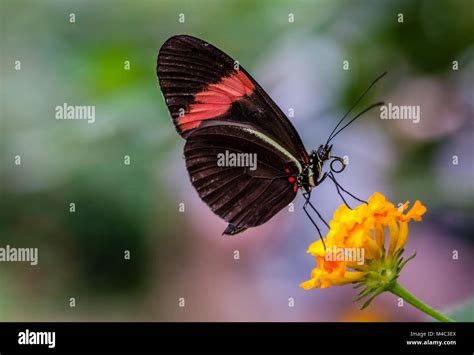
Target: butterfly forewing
column 200, row 83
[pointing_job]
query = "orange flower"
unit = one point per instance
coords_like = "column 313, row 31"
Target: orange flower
column 356, row 250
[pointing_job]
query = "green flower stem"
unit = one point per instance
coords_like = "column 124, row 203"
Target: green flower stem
column 398, row 290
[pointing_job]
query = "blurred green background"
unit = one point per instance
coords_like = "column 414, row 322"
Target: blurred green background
column 178, row 256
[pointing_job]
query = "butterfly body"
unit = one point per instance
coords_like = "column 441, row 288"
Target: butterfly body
column 312, row 173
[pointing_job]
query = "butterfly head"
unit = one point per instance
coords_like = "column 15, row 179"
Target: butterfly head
column 324, row 152
column 318, row 158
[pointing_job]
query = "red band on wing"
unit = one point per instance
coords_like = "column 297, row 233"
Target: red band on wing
column 216, row 99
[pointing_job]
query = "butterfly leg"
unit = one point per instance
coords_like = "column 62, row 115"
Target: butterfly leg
column 340, row 195
column 321, row 179
column 307, row 196
column 339, row 188
column 308, row 202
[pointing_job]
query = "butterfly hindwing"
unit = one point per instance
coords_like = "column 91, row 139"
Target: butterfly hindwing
column 245, row 196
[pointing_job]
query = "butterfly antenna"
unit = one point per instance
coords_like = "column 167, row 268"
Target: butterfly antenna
column 331, row 136
column 356, row 117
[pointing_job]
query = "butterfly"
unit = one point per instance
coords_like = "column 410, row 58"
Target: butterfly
column 221, row 111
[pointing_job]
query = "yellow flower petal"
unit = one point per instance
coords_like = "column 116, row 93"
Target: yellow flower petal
column 308, row 285
column 379, row 236
column 402, row 208
column 372, row 249
column 358, row 238
column 402, row 235
column 314, row 282
column 337, row 280
column 317, row 248
column 393, row 228
column 377, row 200
column 415, row 213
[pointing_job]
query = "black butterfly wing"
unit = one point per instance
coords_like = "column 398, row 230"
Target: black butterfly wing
column 201, row 83
column 244, row 196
